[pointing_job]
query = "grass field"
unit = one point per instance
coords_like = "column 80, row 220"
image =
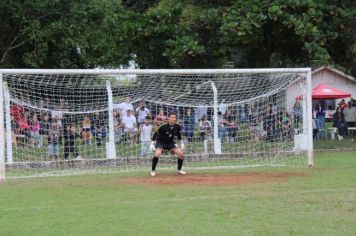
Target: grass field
column 316, row 201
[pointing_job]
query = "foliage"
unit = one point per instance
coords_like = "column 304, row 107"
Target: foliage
column 61, row 33
column 178, row 33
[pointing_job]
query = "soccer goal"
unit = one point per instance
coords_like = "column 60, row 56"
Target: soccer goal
column 61, row 122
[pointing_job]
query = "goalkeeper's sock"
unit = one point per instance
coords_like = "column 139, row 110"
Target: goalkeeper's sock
column 154, row 163
column 180, row 163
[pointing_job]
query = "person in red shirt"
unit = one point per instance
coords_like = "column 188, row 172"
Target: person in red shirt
column 343, row 104
column 16, row 111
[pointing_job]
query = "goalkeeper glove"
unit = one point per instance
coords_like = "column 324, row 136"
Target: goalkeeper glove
column 152, row 146
column 182, row 146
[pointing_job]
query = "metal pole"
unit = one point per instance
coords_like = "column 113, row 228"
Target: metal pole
column 110, row 146
column 2, row 133
column 309, row 119
column 8, row 125
column 154, row 71
column 217, row 143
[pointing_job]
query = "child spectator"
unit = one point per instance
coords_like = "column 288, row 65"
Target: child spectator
column 86, row 130
column 254, row 127
column 45, row 124
column 35, row 131
column 70, row 135
column 98, row 128
column 53, row 141
column 117, row 128
column 146, row 134
column 231, row 126
column 205, row 128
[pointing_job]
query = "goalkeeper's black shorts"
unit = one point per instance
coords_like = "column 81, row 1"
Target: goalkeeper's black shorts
column 166, row 146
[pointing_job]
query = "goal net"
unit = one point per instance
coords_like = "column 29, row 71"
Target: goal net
column 58, row 122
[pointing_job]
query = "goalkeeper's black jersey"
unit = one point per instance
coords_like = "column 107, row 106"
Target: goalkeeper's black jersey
column 166, row 133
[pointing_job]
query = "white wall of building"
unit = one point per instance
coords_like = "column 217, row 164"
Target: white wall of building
column 324, row 76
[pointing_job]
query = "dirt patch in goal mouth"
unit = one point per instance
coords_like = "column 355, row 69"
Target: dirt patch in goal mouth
column 212, row 179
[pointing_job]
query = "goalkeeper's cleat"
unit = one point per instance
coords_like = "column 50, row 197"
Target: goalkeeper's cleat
column 181, row 172
column 153, row 173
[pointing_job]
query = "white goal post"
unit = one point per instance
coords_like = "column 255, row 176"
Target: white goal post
column 69, row 121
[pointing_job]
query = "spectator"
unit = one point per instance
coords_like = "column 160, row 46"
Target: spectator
column 16, row 111
column 319, row 112
column 350, row 116
column 222, row 126
column 160, row 119
column 123, row 107
column 58, row 113
column 254, row 127
column 269, row 124
column 45, row 124
column 298, row 114
column 315, row 128
column 24, row 127
column 14, row 131
column 70, row 135
column 222, row 107
column 339, row 122
column 202, row 112
column 130, row 127
column 53, row 141
column 145, row 137
column 86, row 130
column 35, row 131
column 205, row 128
column 42, row 110
column 343, row 104
column 188, row 124
column 241, row 113
column 142, row 112
column 286, row 125
column 231, row 126
column 118, row 128
column 98, row 128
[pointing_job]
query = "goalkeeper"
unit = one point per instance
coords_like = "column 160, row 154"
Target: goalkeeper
column 163, row 139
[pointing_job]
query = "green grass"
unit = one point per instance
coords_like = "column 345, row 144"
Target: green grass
column 320, row 203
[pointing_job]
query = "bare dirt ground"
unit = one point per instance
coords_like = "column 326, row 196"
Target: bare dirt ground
column 211, row 179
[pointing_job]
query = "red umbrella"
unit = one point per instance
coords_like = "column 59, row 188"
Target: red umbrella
column 324, row 91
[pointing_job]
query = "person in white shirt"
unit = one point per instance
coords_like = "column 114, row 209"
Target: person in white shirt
column 201, row 113
column 130, row 128
column 146, row 134
column 222, row 107
column 205, row 128
column 123, row 107
column 142, row 112
column 58, row 116
column 58, row 113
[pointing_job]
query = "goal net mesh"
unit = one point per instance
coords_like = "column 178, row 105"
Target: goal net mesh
column 77, row 123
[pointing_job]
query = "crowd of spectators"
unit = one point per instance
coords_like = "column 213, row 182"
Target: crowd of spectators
column 343, row 119
column 134, row 123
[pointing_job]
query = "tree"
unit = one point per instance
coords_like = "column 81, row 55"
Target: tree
column 178, row 34
column 62, row 34
column 258, row 33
